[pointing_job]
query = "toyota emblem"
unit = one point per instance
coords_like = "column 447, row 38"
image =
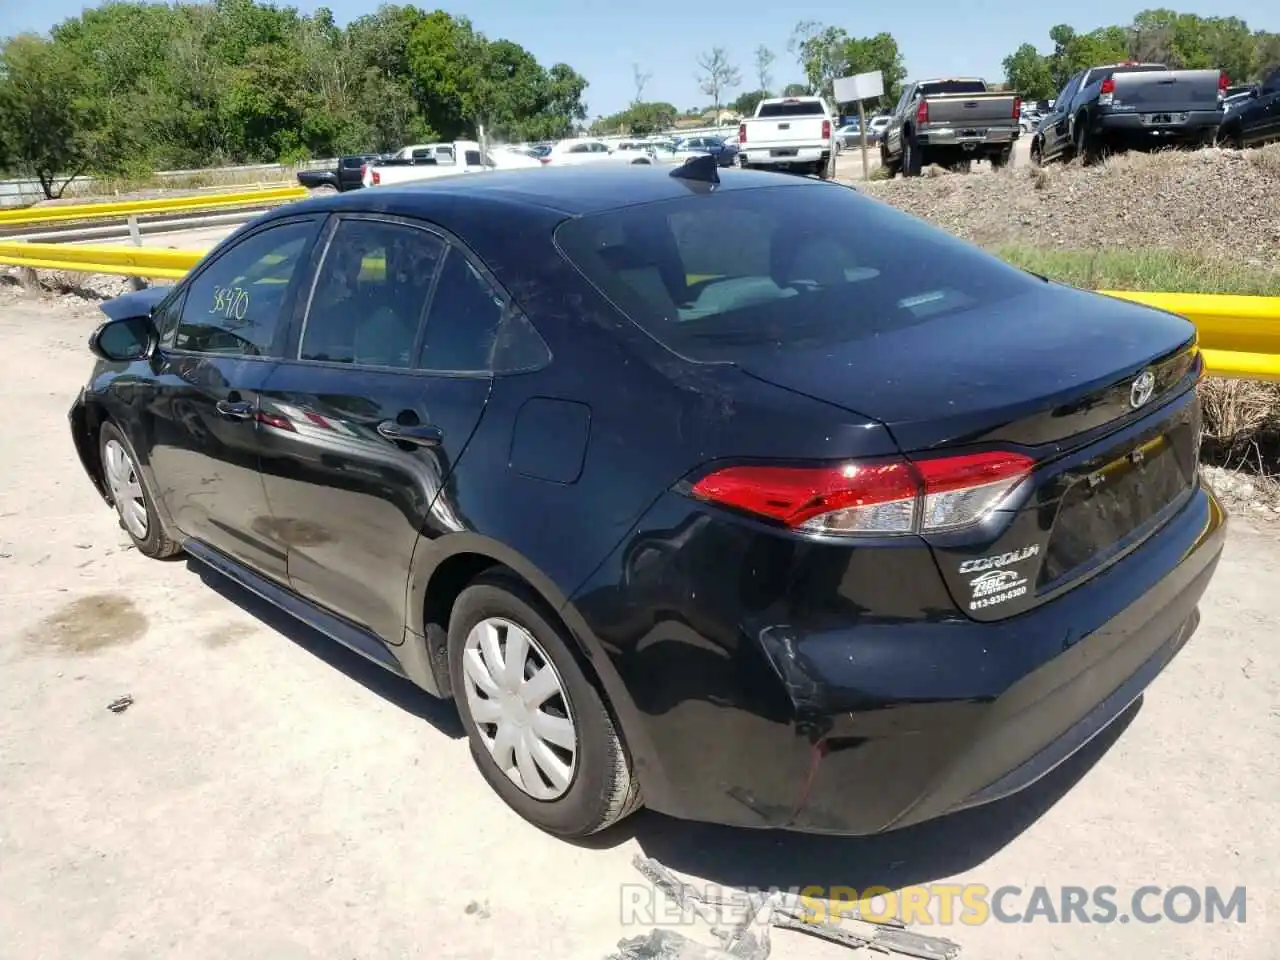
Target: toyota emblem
column 1142, row 389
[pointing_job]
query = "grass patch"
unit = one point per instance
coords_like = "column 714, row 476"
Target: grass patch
column 1160, row 271
column 1241, row 417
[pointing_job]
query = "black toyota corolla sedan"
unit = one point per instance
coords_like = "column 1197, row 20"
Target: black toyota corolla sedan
column 743, row 497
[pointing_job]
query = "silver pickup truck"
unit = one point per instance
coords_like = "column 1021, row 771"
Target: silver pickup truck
column 950, row 123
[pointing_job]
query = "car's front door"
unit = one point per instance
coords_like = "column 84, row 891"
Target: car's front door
column 221, row 335
column 1057, row 125
column 365, row 421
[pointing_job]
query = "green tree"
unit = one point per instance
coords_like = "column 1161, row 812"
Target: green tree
column 820, row 50
column 48, row 124
column 865, row 54
column 745, row 104
column 1029, row 73
column 795, row 90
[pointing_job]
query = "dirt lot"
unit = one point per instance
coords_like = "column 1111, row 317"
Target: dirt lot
column 269, row 795
column 1209, row 201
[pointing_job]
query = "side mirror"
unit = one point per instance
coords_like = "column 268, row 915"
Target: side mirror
column 124, row 340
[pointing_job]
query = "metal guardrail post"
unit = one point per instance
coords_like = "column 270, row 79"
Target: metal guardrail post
column 136, row 236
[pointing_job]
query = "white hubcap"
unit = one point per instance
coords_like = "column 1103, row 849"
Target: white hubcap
column 520, row 708
column 126, row 490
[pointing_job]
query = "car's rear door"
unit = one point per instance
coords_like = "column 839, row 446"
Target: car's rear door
column 365, row 421
column 221, row 335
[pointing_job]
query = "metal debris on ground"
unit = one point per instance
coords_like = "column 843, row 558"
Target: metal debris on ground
column 121, row 704
column 749, row 939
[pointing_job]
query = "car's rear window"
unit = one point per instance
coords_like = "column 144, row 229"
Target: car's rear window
column 787, row 108
column 953, row 86
column 807, row 264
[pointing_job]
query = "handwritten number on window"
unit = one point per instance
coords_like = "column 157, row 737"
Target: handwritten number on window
column 230, row 303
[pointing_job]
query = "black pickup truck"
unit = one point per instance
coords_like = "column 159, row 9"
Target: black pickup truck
column 347, row 175
column 1255, row 118
column 1130, row 105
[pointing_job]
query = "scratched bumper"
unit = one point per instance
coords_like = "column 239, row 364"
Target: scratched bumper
column 856, row 730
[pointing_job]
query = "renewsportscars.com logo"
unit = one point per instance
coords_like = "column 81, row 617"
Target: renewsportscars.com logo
column 970, row 904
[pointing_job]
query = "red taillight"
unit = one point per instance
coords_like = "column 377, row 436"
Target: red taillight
column 884, row 497
column 1017, row 107
column 742, row 133
column 826, row 129
column 377, row 178
column 922, row 112
column 544, row 159
column 1108, row 85
column 1223, row 82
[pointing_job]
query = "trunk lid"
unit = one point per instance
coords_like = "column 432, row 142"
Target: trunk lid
column 1100, row 393
column 971, row 109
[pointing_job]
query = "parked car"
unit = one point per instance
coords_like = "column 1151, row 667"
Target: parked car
column 1255, row 119
column 474, row 159
column 346, row 176
column 790, row 134
column 950, row 123
column 1121, row 106
column 725, row 151
column 603, row 455
column 585, row 150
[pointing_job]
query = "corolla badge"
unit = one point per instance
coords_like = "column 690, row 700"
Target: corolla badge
column 1142, row 389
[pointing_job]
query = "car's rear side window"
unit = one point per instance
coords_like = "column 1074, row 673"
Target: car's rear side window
column 810, row 264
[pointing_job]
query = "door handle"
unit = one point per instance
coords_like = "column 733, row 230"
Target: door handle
column 419, row 434
column 236, row 410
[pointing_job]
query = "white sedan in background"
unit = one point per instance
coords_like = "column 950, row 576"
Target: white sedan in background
column 586, row 150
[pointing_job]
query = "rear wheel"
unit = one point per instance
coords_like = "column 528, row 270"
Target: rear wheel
column 912, row 159
column 130, row 497
column 540, row 731
column 1088, row 147
column 1231, row 138
column 1000, row 160
column 960, row 166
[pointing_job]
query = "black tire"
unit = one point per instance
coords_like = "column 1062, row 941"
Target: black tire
column 1088, row 149
column 1000, row 160
column 157, row 543
column 912, row 158
column 1230, row 138
column 961, row 166
column 1037, row 154
column 603, row 789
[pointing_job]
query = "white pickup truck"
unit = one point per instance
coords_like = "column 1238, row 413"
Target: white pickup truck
column 465, row 156
column 788, row 133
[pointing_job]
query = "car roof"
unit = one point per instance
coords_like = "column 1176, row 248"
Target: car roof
column 575, row 190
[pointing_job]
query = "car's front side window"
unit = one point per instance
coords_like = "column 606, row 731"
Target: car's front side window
column 235, row 306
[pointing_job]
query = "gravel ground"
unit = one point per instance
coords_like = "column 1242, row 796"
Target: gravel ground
column 1214, row 200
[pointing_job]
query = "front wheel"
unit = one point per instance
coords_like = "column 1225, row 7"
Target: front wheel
column 129, row 495
column 540, row 731
column 1037, row 154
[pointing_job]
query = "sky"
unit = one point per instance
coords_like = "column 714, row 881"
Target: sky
column 602, row 40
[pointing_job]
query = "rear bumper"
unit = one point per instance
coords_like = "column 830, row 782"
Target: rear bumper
column 1198, row 125
column 854, row 729
column 792, row 156
column 957, row 136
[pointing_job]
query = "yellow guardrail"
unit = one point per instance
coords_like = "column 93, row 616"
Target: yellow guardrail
column 126, row 261
column 62, row 213
column 1240, row 336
